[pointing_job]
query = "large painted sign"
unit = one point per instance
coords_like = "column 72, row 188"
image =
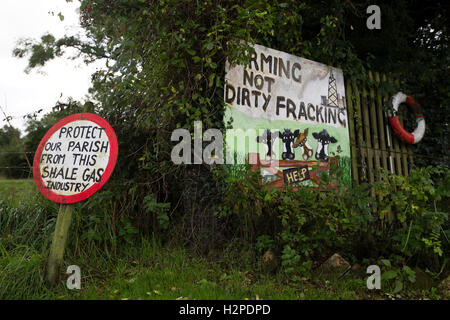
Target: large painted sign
column 75, row 158
column 297, row 107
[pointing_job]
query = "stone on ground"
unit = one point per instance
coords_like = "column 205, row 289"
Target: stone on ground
column 269, row 261
column 335, row 266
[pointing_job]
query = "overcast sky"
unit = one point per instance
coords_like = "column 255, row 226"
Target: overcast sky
column 22, row 93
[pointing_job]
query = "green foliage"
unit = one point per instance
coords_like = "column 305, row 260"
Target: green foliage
column 396, row 279
column 114, row 267
column 264, row 242
column 415, row 202
column 13, row 163
column 408, row 218
column 160, row 209
column 21, row 274
column 147, row 270
column 165, row 63
column 127, row 230
column 26, row 223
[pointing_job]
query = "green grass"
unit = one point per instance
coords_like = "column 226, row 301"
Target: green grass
column 21, row 274
column 14, row 191
column 139, row 269
column 154, row 272
column 151, row 271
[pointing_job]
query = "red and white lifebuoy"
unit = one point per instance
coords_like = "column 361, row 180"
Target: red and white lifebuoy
column 413, row 106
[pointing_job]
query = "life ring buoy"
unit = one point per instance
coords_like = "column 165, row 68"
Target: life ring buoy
column 413, row 106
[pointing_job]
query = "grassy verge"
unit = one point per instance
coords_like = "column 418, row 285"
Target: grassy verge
column 151, row 271
column 14, row 191
column 139, row 269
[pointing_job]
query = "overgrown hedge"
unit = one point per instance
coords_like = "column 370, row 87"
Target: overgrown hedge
column 166, row 70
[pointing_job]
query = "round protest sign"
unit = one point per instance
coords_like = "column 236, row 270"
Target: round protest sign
column 75, row 158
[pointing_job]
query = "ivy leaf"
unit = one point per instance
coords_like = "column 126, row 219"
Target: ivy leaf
column 398, row 286
column 191, row 52
column 411, row 274
column 211, row 79
column 386, row 262
column 391, row 274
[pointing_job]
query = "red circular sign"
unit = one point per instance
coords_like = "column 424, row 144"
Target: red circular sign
column 75, row 158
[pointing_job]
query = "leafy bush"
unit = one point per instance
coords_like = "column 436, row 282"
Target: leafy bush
column 166, row 62
column 165, row 70
column 407, row 218
column 396, row 279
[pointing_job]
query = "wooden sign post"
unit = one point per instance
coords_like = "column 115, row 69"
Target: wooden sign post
column 74, row 160
column 56, row 255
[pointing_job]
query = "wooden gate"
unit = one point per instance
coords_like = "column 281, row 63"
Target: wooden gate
column 373, row 143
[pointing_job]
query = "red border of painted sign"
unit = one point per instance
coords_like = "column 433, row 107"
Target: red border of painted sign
column 114, row 149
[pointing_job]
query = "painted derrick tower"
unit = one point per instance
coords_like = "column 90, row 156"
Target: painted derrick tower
column 334, row 99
